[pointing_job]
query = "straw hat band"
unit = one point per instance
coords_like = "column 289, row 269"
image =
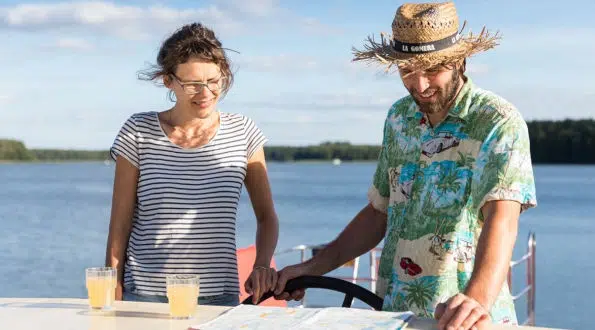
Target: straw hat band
column 426, row 47
column 425, row 35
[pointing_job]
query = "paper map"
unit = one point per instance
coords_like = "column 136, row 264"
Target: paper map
column 263, row 317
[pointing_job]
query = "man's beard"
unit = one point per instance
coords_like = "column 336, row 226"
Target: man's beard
column 445, row 96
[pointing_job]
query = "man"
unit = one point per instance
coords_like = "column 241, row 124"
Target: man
column 453, row 176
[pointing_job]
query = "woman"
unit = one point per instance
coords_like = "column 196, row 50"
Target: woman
column 179, row 175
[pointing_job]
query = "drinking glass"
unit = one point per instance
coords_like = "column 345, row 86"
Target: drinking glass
column 101, row 287
column 182, row 295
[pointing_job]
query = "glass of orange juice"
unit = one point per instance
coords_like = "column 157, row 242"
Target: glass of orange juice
column 182, row 295
column 101, row 287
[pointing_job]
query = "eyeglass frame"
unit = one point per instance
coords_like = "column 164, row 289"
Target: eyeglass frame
column 200, row 83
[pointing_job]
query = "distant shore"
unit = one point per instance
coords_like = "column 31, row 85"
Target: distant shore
column 111, row 162
column 552, row 142
column 300, row 162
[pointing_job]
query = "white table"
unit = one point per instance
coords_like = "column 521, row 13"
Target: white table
column 67, row 314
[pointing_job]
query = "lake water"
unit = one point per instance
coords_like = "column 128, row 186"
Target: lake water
column 55, row 219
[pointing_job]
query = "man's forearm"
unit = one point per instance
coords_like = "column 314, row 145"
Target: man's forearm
column 492, row 260
column 364, row 232
column 267, row 234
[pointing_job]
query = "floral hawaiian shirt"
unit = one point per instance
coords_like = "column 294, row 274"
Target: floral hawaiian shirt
column 432, row 183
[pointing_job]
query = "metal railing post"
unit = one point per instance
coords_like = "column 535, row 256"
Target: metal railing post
column 531, row 279
column 509, row 279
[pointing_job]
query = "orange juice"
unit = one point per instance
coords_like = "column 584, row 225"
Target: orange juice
column 182, row 294
column 101, row 292
column 101, row 287
column 182, row 300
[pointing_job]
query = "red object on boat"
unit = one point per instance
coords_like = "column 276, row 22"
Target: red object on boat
column 246, row 257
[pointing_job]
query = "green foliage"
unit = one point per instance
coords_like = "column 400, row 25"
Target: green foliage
column 563, row 142
column 323, row 151
column 14, row 150
column 64, row 155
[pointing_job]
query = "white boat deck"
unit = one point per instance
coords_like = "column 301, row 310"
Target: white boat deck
column 67, row 314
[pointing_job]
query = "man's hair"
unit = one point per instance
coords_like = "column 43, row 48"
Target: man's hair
column 461, row 66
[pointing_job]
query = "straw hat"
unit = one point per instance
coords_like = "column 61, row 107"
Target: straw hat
column 425, row 35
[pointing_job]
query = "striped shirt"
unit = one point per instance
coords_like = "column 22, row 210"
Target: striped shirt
column 187, row 200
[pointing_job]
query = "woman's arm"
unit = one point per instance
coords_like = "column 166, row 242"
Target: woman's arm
column 123, row 203
column 262, row 278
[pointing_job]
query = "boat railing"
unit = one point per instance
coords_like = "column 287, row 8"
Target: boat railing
column 307, row 251
column 530, row 288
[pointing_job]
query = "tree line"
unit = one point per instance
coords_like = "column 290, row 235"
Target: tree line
column 13, row 150
column 552, row 142
column 563, row 142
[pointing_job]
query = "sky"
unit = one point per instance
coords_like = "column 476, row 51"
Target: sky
column 69, row 69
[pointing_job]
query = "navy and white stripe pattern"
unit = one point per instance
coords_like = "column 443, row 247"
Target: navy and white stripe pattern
column 187, row 199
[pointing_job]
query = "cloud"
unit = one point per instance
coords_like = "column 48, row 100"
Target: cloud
column 534, row 102
column 72, row 44
column 341, row 101
column 4, row 99
column 142, row 22
column 283, row 17
column 551, row 39
column 124, row 21
column 305, row 64
column 560, row 51
column 282, row 63
column 315, row 26
column 551, row 103
column 259, row 8
column 297, row 119
column 477, row 68
column 360, row 127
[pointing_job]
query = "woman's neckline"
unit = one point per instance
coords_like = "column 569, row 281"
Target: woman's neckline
column 215, row 136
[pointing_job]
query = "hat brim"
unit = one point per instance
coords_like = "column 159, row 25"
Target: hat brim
column 384, row 53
